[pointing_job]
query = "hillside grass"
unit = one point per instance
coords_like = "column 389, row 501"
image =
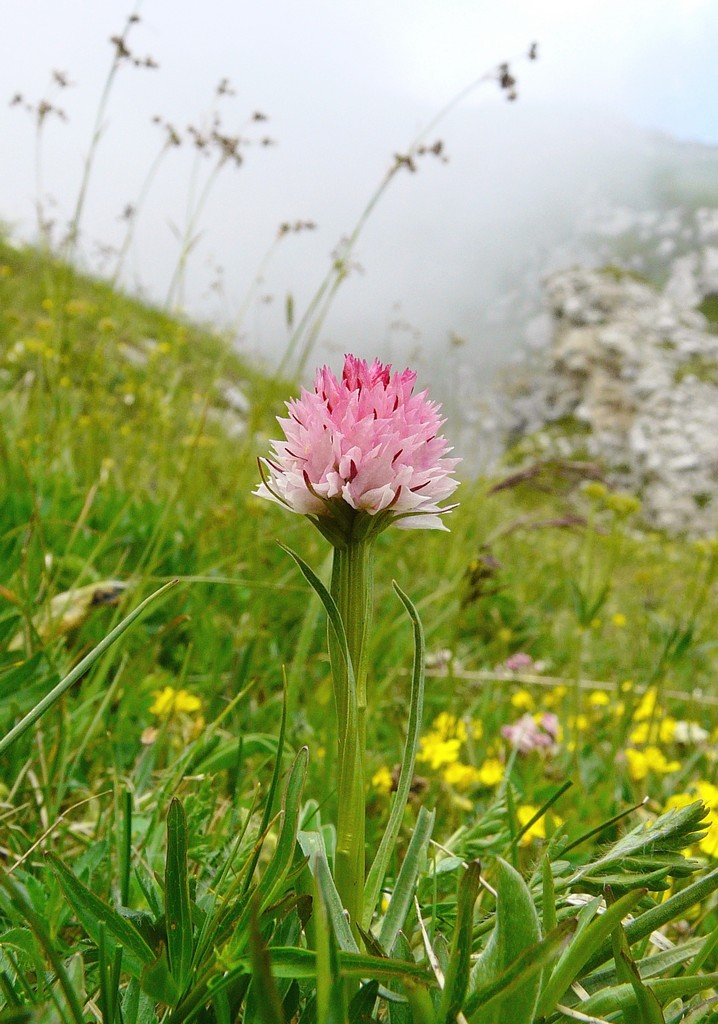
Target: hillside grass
column 128, row 446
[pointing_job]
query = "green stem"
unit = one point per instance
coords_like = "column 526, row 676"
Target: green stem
column 352, row 590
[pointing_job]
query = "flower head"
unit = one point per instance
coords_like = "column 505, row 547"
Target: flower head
column 169, row 701
column 362, row 444
column 519, row 662
column 527, row 734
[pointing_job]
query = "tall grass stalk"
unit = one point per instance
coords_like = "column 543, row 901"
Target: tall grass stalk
column 303, row 339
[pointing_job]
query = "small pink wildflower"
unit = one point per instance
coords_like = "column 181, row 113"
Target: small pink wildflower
column 364, row 443
column 527, row 735
column 519, row 662
column 550, row 724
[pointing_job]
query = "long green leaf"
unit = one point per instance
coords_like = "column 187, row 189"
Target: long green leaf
column 278, row 868
column 312, row 844
column 224, row 755
column 330, row 607
column 615, row 999
column 331, row 991
column 575, row 958
column 523, row 969
column 375, row 878
column 670, row 910
column 268, row 1001
column 663, row 963
column 269, row 802
column 23, row 905
column 293, row 962
column 457, row 976
column 403, row 892
column 79, row 670
column 178, row 911
column 301, row 965
column 516, row 930
column 649, row 1009
column 91, row 911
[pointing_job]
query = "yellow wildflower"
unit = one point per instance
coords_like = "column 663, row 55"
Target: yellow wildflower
column 709, row 843
column 524, row 814
column 437, row 751
column 504, row 635
column 382, row 780
column 646, row 705
column 555, row 696
column 651, row 759
column 580, row 722
column 599, row 699
column 522, row 700
column 169, row 701
column 463, row 776
column 491, row 772
column 708, row 793
column 449, row 727
column 619, row 620
column 477, row 729
column 639, row 735
column 666, row 730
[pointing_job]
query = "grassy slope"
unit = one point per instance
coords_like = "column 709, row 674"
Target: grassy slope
column 117, row 464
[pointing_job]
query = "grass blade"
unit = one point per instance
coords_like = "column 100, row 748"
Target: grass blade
column 377, row 871
column 525, row 967
column 457, row 976
column 615, row 999
column 278, row 868
column 178, row 911
column 579, row 953
column 79, row 670
column 403, row 892
column 670, row 910
column 91, row 912
column 22, row 904
column 268, row 1002
column 331, row 992
column 267, row 813
column 516, row 930
column 330, row 607
column 312, row 844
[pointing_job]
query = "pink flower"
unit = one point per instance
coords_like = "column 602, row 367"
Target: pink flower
column 364, row 443
column 550, row 724
column 527, row 734
column 519, row 662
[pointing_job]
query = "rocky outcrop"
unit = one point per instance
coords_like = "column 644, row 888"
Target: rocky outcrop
column 634, row 371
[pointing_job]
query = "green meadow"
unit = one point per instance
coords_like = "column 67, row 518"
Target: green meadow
column 168, row 799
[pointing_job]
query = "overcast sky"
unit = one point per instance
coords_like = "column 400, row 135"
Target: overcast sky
column 346, row 84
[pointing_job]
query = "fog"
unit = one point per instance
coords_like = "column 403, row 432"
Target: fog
column 451, row 258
